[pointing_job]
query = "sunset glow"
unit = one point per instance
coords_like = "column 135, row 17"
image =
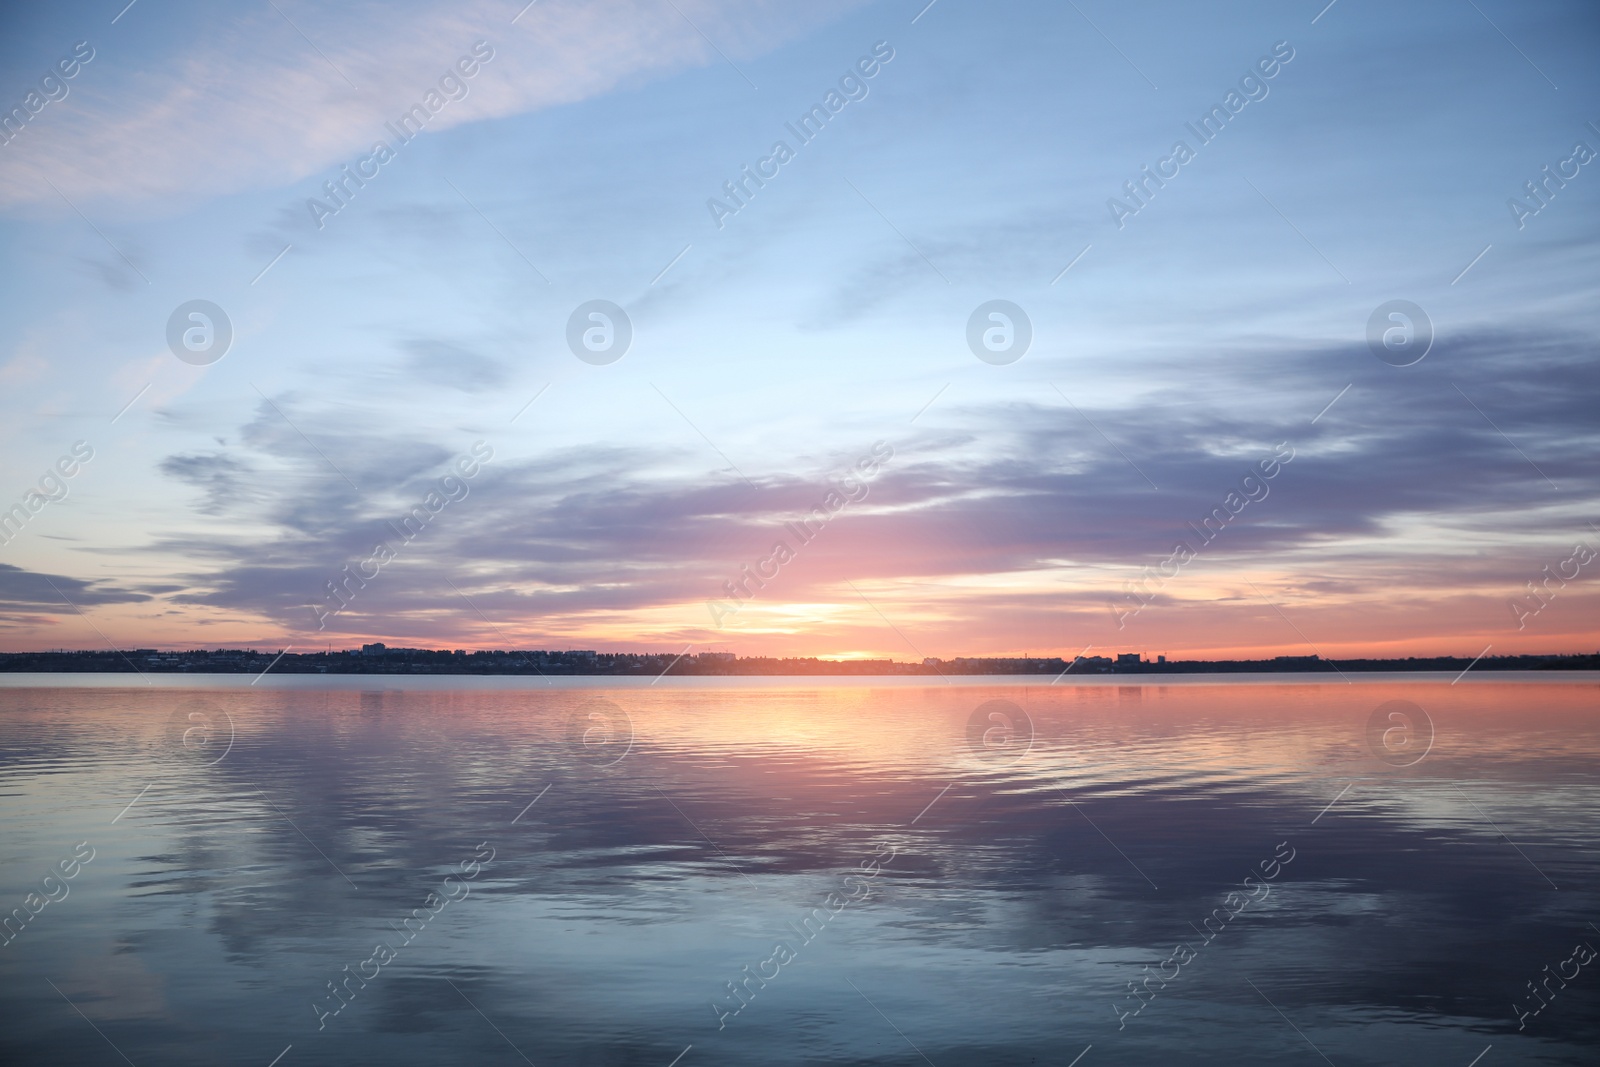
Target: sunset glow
column 956, row 372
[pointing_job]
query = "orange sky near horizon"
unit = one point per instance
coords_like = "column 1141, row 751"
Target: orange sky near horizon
column 1243, row 623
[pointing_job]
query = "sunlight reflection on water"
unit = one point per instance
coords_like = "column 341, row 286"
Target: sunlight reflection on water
column 652, row 844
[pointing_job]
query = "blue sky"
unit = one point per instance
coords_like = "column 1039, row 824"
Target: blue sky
column 824, row 316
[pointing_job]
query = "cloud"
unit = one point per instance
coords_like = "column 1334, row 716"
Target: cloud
column 442, row 363
column 113, row 273
column 55, row 594
column 260, row 107
column 589, row 533
column 226, row 481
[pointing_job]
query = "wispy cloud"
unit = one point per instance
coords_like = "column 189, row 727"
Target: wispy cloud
column 258, row 107
column 634, row 536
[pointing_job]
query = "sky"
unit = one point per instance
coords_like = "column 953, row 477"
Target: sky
column 396, row 420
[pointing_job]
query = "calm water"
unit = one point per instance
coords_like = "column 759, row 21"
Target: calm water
column 887, row 874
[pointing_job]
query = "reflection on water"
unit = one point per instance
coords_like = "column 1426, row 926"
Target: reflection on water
column 1238, row 872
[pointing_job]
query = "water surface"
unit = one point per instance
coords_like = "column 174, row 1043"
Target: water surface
column 885, row 872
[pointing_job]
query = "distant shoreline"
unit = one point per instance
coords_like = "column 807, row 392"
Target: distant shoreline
column 377, row 660
column 579, row 684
